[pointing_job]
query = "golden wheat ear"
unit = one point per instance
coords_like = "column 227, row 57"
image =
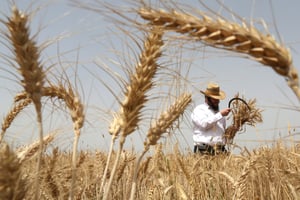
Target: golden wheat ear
column 25, row 153
column 231, row 36
column 160, row 127
column 167, row 118
column 27, row 55
column 140, row 82
column 12, row 114
column 76, row 108
column 12, row 185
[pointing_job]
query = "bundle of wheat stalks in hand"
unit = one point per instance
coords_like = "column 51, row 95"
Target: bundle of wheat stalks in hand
column 242, row 114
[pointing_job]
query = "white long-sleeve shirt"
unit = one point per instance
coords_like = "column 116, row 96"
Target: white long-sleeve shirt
column 209, row 126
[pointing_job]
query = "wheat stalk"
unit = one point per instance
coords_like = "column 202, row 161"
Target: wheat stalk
column 12, row 114
column 27, row 57
column 140, row 82
column 76, row 108
column 222, row 33
column 135, row 95
column 166, row 119
column 72, row 102
column 51, row 174
column 160, row 127
column 240, row 184
column 11, row 183
column 242, row 115
column 24, row 153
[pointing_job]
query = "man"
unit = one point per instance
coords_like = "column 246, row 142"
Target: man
column 209, row 122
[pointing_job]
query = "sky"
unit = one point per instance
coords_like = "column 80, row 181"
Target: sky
column 89, row 47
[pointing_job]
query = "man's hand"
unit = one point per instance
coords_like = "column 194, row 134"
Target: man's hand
column 225, row 111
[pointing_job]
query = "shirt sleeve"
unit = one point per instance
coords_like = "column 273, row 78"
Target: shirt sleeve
column 204, row 119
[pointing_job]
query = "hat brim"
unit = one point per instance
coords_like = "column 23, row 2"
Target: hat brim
column 221, row 95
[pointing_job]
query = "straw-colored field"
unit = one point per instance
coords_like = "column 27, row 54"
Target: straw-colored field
column 151, row 91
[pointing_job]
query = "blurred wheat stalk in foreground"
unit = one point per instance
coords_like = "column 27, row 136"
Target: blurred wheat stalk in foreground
column 221, row 33
column 27, row 56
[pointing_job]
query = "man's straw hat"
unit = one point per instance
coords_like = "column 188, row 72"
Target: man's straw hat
column 213, row 91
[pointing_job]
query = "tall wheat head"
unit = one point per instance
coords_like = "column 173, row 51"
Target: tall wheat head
column 140, row 82
column 27, row 56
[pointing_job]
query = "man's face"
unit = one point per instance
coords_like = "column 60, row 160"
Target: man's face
column 213, row 103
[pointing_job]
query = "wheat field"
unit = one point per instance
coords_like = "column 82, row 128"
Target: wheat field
column 144, row 90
